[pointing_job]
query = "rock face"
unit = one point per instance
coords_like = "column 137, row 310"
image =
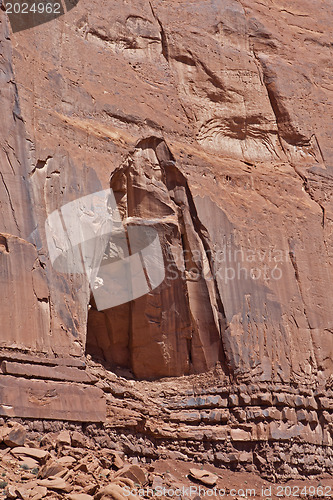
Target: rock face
column 214, row 120
column 177, row 328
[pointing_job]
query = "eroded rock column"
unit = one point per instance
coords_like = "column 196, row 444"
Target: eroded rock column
column 176, row 328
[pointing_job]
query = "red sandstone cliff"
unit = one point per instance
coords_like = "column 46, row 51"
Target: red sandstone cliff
column 215, row 119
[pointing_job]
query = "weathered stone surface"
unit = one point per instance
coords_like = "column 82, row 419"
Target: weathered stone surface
column 45, row 372
column 78, row 440
column 63, row 438
column 244, row 142
column 205, row 477
column 30, row 452
column 57, row 484
column 28, row 313
column 80, row 496
column 133, row 472
column 14, row 435
column 113, row 491
column 28, row 462
column 214, row 120
column 41, row 360
column 52, row 468
column 50, row 400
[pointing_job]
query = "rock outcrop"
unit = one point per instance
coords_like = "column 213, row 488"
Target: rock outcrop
column 214, row 120
column 178, row 327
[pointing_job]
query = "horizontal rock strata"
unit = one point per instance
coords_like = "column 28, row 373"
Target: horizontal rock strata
column 214, row 121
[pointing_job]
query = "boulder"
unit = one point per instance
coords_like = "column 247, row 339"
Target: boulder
column 14, row 435
column 203, row 476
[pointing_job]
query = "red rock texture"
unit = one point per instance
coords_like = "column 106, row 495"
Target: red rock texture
column 175, row 329
column 215, row 119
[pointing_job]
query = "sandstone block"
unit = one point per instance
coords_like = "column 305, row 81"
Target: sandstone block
column 133, row 472
column 279, row 399
column 264, row 398
column 220, row 432
column 30, row 452
column 15, row 435
column 28, row 462
column 65, row 373
column 326, row 403
column 78, row 440
column 204, row 477
column 226, row 458
column 283, row 432
column 300, row 402
column 233, row 400
column 327, row 439
column 255, row 413
column 244, row 399
column 115, row 492
column 289, row 414
column 246, row 457
column 240, row 435
column 53, row 468
column 302, row 416
column 260, row 432
column 188, row 417
column 80, row 496
column 313, row 417
column 56, row 483
column 204, row 402
column 63, row 438
column 274, row 413
column 311, row 403
column 51, row 400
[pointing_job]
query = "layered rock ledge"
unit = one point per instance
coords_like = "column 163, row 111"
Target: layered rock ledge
column 214, row 121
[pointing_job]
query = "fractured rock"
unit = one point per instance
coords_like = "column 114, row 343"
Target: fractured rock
column 133, row 472
column 36, row 453
column 80, row 496
column 176, row 329
column 55, row 483
column 204, row 477
column 115, row 492
column 63, row 438
column 78, row 440
column 15, row 435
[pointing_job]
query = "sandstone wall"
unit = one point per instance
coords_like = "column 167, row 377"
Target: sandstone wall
column 239, row 95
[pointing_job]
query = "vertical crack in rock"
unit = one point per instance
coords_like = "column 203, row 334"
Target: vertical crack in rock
column 176, row 328
column 298, row 281
column 8, row 158
column 292, row 257
column 164, row 41
column 307, row 189
column 287, row 132
column 10, row 202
